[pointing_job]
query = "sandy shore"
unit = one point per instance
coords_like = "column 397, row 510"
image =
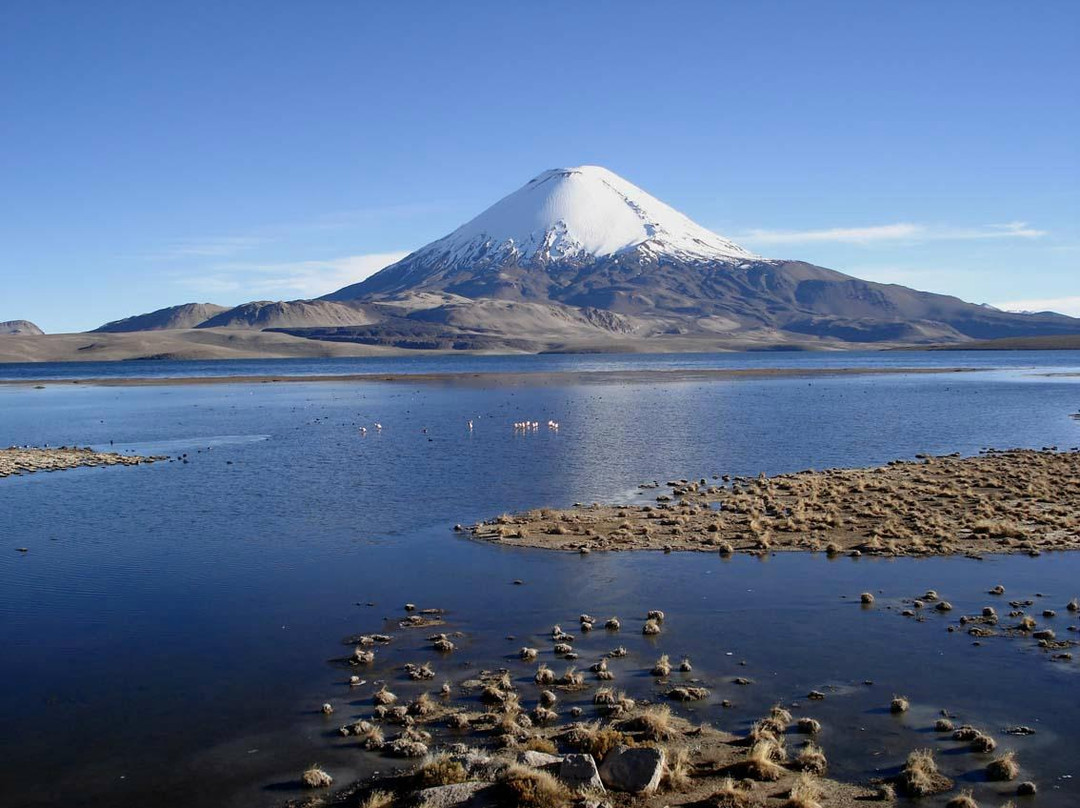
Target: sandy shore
column 1018, row 501
column 549, row 378
column 16, row 460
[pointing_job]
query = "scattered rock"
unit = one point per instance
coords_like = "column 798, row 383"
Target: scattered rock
column 539, row 760
column 634, row 769
column 459, row 795
column 579, row 772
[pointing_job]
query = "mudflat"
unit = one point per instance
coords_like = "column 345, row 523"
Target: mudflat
column 1016, row 501
column 20, row 460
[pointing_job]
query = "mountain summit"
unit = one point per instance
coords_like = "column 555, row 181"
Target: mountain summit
column 564, row 216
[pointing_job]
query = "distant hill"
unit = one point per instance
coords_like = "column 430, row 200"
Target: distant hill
column 186, row 315
column 293, row 314
column 19, row 327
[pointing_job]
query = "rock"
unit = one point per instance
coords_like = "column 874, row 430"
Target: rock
column 633, row 769
column 459, row 795
column 579, row 772
column 539, row 760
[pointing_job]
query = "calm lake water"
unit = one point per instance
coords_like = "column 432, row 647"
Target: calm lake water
column 170, row 635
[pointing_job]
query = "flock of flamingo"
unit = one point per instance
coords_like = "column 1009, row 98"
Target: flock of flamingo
column 534, row 426
column 519, row 427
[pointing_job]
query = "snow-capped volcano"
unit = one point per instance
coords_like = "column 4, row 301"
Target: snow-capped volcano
column 569, row 213
column 581, row 257
column 565, row 217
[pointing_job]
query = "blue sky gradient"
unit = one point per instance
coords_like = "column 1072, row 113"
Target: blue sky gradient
column 225, row 151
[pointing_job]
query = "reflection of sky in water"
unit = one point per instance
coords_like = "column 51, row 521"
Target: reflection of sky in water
column 181, row 615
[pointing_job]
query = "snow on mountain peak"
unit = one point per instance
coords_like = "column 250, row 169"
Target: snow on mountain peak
column 577, row 213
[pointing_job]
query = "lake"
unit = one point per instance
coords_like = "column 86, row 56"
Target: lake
column 171, row 633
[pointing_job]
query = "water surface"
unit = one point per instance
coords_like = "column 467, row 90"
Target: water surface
column 169, row 637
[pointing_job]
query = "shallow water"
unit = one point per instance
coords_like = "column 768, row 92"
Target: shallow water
column 169, row 636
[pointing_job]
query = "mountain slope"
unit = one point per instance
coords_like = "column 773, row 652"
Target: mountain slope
column 186, row 315
column 20, row 327
column 288, row 314
column 586, row 238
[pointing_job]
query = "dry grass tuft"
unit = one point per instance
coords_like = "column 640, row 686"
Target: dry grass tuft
column 372, row 738
column 384, row 696
column 733, row 795
column 662, row 666
column 542, row 715
column 440, row 770
column 965, row 799
column 806, row 793
column 654, row 723
column 812, row 759
column 572, row 678
column 533, row 788
column 315, row 777
column 540, row 744
column 920, row 776
column 677, row 769
column 899, row 704
column 596, row 739
column 778, row 713
column 760, row 761
column 983, row 744
column 1003, row 768
column 688, row 693
column 651, row 628
column 377, row 799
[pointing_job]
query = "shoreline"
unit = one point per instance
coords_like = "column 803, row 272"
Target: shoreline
column 1013, row 501
column 520, row 378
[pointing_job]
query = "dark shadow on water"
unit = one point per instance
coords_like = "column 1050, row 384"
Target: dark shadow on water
column 285, row 787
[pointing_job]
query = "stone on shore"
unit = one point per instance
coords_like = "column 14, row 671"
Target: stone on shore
column 634, row 769
column 459, row 795
column 579, row 772
column 539, row 760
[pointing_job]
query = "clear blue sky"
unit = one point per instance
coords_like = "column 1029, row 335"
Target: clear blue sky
column 154, row 153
